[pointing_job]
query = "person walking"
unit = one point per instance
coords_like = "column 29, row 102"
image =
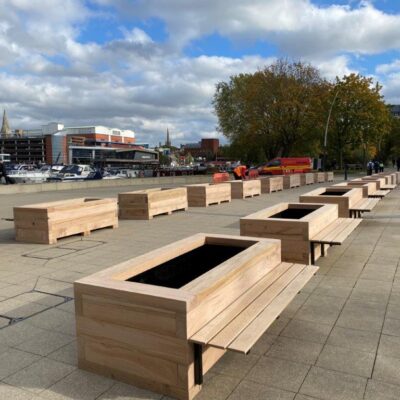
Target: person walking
column 381, row 166
column 3, row 171
column 376, row 166
column 370, row 166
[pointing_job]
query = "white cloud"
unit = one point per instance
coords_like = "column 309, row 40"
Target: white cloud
column 135, row 82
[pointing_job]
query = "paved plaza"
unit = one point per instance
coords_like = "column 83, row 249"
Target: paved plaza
column 338, row 340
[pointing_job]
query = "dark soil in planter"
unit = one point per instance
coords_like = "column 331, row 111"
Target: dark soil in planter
column 183, row 269
column 293, row 213
column 328, row 193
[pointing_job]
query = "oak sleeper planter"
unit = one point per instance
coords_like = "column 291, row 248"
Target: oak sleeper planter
column 291, row 181
column 46, row 222
column 368, row 188
column 134, row 320
column 345, row 198
column 329, row 176
column 271, row 184
column 242, row 189
column 307, row 179
column 294, row 224
column 319, row 177
column 145, row 204
column 205, row 194
column 380, row 181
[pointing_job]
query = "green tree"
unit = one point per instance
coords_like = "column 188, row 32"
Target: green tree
column 278, row 109
column 360, row 117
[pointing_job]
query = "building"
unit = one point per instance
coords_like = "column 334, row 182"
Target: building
column 55, row 143
column 207, row 148
column 395, row 110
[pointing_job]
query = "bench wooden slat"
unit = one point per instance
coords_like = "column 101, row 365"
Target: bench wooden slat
column 212, row 328
column 263, row 321
column 337, row 232
column 380, row 193
column 365, row 205
column 346, row 232
column 225, row 337
column 388, row 187
column 328, row 234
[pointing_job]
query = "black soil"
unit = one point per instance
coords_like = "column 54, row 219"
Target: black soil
column 183, row 269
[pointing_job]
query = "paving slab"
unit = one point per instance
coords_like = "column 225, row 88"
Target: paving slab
column 322, row 347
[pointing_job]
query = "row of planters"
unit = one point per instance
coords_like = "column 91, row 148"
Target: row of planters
column 160, row 321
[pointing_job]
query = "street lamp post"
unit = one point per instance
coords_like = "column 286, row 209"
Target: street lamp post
column 326, row 128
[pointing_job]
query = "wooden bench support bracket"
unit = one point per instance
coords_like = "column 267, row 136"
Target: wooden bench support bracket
column 198, row 363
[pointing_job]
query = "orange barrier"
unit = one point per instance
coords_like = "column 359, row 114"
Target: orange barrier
column 220, row 177
column 253, row 174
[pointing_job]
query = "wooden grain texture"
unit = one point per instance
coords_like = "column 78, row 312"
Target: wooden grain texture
column 329, row 176
column 291, row 181
column 294, row 233
column 47, row 222
column 243, row 189
column 319, row 177
column 205, row 194
column 367, row 187
column 306, row 179
column 345, row 199
column 139, row 333
column 271, row 184
column 379, row 181
column 145, row 204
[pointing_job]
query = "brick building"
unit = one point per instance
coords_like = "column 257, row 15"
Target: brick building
column 207, row 148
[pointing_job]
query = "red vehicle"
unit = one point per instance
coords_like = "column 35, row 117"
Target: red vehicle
column 286, row 166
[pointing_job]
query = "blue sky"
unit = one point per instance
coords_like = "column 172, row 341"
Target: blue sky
column 151, row 64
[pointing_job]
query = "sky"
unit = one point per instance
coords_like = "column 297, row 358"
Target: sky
column 149, row 65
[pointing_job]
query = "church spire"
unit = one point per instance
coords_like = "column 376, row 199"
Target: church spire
column 168, row 141
column 5, row 128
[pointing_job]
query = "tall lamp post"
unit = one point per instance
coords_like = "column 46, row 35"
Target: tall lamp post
column 326, row 128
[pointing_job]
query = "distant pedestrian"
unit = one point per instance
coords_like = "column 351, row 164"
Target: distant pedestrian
column 398, row 164
column 3, row 171
column 239, row 172
column 376, row 166
column 370, row 166
column 381, row 166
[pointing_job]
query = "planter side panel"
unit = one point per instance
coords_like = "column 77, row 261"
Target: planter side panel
column 202, row 196
column 293, row 234
column 306, row 179
column 47, row 225
column 341, row 201
column 142, row 205
column 271, row 184
column 291, row 181
column 127, row 340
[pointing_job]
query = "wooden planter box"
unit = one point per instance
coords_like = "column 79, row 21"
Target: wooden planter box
column 391, row 178
column 291, row 181
column 204, row 194
column 134, row 319
column 319, row 177
column 271, row 184
column 307, row 179
column 46, row 222
column 145, row 204
column 294, row 224
column 329, row 176
column 373, row 185
column 380, row 182
column 345, row 198
column 243, row 189
column 367, row 187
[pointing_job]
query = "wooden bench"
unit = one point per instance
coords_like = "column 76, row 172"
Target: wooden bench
column 379, row 193
column 364, row 205
column 334, row 234
column 164, row 331
column 239, row 326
